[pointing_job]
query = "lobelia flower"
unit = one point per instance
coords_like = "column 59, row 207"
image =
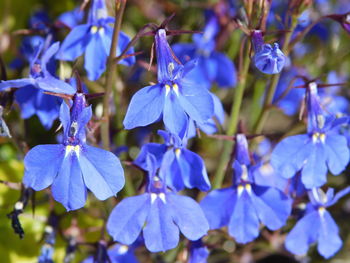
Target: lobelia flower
column 39, row 76
column 317, row 225
column 212, row 66
column 94, row 39
column 158, row 213
column 74, row 165
column 116, row 254
column 47, row 250
column 244, row 205
column 182, row 167
column 71, row 18
column 198, row 252
column 268, row 59
column 176, row 98
column 316, row 152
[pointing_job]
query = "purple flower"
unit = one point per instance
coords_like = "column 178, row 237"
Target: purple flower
column 39, row 76
column 268, row 59
column 317, row 225
column 176, row 98
column 94, row 39
column 182, row 167
column 74, row 165
column 158, row 213
column 316, row 152
column 246, row 204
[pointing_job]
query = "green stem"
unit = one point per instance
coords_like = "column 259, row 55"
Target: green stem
column 232, row 125
column 258, row 127
column 111, row 73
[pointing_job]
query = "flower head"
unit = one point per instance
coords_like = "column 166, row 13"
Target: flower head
column 175, row 97
column 317, row 225
column 268, row 59
column 94, row 39
column 159, row 214
column 316, row 152
column 74, row 165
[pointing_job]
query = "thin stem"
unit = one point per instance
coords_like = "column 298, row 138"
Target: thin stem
column 111, row 73
column 232, row 125
column 258, row 127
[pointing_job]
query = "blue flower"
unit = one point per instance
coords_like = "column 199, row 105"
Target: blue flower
column 316, row 152
column 175, row 97
column 212, row 66
column 47, row 250
column 39, row 76
column 268, row 59
column 198, row 252
column 159, row 214
column 74, row 165
column 116, row 254
column 94, row 38
column 244, row 205
column 182, row 167
column 317, row 225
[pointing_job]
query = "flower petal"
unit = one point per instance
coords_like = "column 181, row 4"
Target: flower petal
column 127, row 219
column 218, row 206
column 102, row 172
column 37, row 174
column 145, row 107
column 337, row 151
column 68, row 188
column 160, row 232
column 188, row 216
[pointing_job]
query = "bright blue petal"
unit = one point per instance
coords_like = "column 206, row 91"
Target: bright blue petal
column 158, row 150
column 188, row 216
column 273, row 207
column 26, row 98
column 160, row 232
column 338, row 195
column 304, row 233
column 145, row 107
column 174, row 117
column 16, row 83
column 218, row 206
column 48, row 54
column 337, row 152
column 171, row 169
column 329, row 241
column 96, row 56
column 68, row 188
column 102, row 172
column 52, row 84
column 123, row 41
column 244, row 222
column 196, row 101
column 127, row 219
column 289, row 155
column 193, row 170
column 270, row 60
column 315, row 169
column 75, row 43
column 184, row 52
column 38, row 175
column 226, row 75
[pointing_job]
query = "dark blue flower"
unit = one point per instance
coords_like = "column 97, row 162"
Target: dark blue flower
column 39, row 76
column 244, row 205
column 182, row 167
column 74, row 165
column 268, row 59
column 198, row 252
column 212, row 66
column 158, row 213
column 316, row 152
column 116, row 254
column 317, row 225
column 94, row 38
column 175, row 97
